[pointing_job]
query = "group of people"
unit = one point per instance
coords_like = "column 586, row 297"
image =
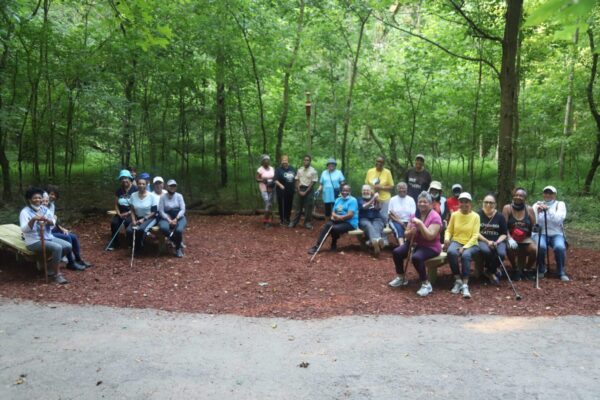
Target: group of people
column 424, row 222
column 139, row 207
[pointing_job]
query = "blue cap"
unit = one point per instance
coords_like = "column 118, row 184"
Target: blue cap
column 125, row 174
column 144, row 175
column 331, row 161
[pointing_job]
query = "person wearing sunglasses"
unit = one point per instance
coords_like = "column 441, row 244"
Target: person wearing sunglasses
column 492, row 237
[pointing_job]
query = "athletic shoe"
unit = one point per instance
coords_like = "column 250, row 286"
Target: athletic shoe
column 291, row 225
column 60, row 279
column 465, row 291
column 397, row 282
column 517, row 275
column 110, row 248
column 75, row 266
column 268, row 225
column 84, row 263
column 333, row 246
column 457, row 286
column 376, row 248
column 382, row 244
column 308, row 225
column 541, row 275
column 425, row 290
column 492, row 278
column 179, row 253
column 312, row 250
column 564, row 278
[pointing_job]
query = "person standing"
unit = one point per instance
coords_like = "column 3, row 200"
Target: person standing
column 306, row 178
column 460, row 242
column 418, row 178
column 265, row 176
column 382, row 182
column 551, row 215
column 331, row 181
column 452, row 204
column 284, row 182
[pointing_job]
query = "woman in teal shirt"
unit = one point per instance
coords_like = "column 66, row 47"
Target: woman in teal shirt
column 331, row 181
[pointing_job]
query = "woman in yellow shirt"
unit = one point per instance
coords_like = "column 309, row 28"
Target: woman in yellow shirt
column 460, row 241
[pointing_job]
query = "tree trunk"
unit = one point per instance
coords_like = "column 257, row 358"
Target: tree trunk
column 569, row 110
column 127, row 117
column 348, row 110
column 508, row 92
column 4, row 162
column 594, row 110
column 220, row 131
column 474, row 135
column 286, row 82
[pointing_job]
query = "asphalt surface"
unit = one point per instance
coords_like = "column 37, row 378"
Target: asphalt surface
column 60, row 351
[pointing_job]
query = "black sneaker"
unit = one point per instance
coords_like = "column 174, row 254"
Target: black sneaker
column 333, row 246
column 517, row 276
column 179, row 253
column 75, row 266
column 312, row 250
column 84, row 263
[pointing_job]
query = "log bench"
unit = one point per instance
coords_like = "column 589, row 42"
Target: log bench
column 160, row 238
column 11, row 239
column 434, row 263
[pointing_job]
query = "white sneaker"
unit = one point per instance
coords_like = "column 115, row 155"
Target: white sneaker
column 397, row 282
column 425, row 290
column 457, row 286
column 564, row 278
column 465, row 291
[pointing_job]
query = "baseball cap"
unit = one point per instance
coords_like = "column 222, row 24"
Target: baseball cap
column 157, row 179
column 421, row 156
column 465, row 195
column 456, row 187
column 435, row 185
column 551, row 188
column 331, row 161
column 171, row 182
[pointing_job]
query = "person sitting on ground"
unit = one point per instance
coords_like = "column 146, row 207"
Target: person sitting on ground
column 143, row 215
column 265, row 176
column 344, row 218
column 520, row 220
column 452, row 203
column 285, row 187
column 331, row 182
column 400, row 209
column 492, row 237
column 417, row 178
column 306, row 178
column 370, row 220
column 158, row 189
column 122, row 207
column 172, row 216
column 551, row 215
column 424, row 235
column 33, row 219
column 460, row 242
column 382, row 182
column 74, row 260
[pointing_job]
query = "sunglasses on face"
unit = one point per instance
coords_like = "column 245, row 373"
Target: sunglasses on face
column 489, row 202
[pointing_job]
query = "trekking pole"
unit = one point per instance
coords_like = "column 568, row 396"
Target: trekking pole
column 512, row 285
column 547, row 246
column 409, row 255
column 43, row 241
column 114, row 236
column 537, row 264
column 135, row 228
column 321, row 244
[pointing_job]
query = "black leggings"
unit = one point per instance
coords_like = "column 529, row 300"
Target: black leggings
column 339, row 227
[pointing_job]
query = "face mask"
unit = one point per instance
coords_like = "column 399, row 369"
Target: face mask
column 365, row 196
column 345, row 195
column 35, row 208
column 518, row 207
column 550, row 203
column 435, row 196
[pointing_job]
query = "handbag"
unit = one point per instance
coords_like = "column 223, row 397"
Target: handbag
column 336, row 191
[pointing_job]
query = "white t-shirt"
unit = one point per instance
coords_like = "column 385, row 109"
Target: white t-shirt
column 403, row 207
column 143, row 206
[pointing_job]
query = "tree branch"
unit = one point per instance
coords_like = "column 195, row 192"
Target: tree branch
column 483, row 34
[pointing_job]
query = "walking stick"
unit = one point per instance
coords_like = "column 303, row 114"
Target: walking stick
column 409, row 255
column 114, row 236
column 547, row 246
column 517, row 295
column 135, row 228
column 43, row 240
column 537, row 264
column 321, row 244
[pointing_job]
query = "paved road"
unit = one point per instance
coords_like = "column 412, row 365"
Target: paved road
column 71, row 352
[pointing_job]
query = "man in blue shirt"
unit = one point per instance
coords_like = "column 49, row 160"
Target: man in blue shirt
column 344, row 218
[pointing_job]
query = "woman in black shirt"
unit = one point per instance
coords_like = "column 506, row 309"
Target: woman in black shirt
column 492, row 236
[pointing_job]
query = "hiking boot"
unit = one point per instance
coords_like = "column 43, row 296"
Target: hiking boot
column 312, row 250
column 308, row 225
column 333, row 246
column 530, row 275
column 292, row 225
column 397, row 282
column 492, row 278
column 425, row 290
column 457, row 286
column 465, row 291
column 179, row 253
column 564, row 278
column 75, row 266
column 60, row 279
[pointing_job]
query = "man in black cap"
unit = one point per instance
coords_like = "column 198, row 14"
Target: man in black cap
column 417, row 178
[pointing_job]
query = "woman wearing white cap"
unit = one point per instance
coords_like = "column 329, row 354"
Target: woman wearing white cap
column 158, row 188
column 172, row 216
column 331, row 182
column 460, row 241
column 551, row 215
column 265, row 176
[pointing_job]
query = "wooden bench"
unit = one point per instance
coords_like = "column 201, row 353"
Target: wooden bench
column 434, row 263
column 160, row 238
column 11, row 239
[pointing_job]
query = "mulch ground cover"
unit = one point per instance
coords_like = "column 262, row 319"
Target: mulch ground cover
column 232, row 265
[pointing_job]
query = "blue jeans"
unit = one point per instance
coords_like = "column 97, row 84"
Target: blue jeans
column 465, row 258
column 557, row 242
column 56, row 247
column 491, row 256
column 398, row 229
column 176, row 232
column 373, row 228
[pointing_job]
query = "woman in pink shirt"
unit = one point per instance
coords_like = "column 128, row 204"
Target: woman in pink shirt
column 265, row 176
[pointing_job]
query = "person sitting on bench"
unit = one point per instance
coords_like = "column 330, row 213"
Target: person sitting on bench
column 424, row 234
column 143, row 215
column 551, row 215
column 370, row 219
column 400, row 209
column 171, row 209
column 74, row 261
column 522, row 250
column 344, row 218
column 460, row 242
column 33, row 219
column 492, row 237
column 122, row 208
